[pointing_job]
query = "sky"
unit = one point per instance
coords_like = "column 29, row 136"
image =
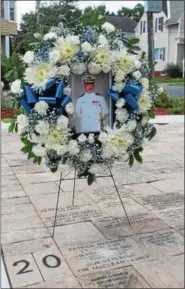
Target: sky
column 112, row 6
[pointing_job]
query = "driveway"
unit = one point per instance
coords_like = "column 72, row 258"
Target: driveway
column 94, row 246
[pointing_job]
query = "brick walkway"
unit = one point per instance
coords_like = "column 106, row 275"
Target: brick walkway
column 94, row 246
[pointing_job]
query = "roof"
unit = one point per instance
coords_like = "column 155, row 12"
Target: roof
column 120, row 22
column 176, row 10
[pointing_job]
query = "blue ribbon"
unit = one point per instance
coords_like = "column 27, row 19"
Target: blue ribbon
column 59, row 100
column 130, row 93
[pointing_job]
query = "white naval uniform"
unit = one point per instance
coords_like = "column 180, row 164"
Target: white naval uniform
column 88, row 110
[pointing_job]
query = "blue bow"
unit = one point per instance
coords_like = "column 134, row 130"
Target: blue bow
column 130, row 93
column 59, row 100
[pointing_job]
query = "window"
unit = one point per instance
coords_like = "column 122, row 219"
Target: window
column 143, row 27
column 12, row 10
column 159, row 54
column 159, row 24
column 2, row 9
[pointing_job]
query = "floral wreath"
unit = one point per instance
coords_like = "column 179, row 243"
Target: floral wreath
column 45, row 104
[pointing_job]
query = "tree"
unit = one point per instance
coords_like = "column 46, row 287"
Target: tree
column 92, row 16
column 49, row 15
column 134, row 13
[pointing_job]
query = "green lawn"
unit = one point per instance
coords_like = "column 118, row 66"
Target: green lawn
column 170, row 81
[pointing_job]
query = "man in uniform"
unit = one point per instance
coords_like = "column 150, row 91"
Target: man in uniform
column 91, row 108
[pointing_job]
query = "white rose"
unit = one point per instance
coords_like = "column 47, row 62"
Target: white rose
column 102, row 40
column 106, row 68
column 50, row 36
column 94, row 68
column 69, row 108
column 131, row 125
column 54, row 56
column 39, row 151
column 120, row 103
column 137, row 74
column 41, row 107
column 67, row 90
column 37, row 35
column 62, row 121
column 16, row 87
column 91, row 138
column 119, row 76
column 86, row 156
column 137, row 64
column 103, row 137
column 82, row 138
column 42, row 127
column 61, row 150
column 22, row 119
column 108, row 27
column 28, row 57
column 94, row 169
column 86, row 47
column 121, row 114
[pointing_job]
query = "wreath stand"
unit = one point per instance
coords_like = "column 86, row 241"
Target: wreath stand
column 74, row 186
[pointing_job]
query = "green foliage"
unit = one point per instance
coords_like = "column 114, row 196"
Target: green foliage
column 173, row 70
column 134, row 13
column 13, row 68
column 131, row 160
column 131, row 44
column 90, row 179
column 92, row 17
column 27, row 149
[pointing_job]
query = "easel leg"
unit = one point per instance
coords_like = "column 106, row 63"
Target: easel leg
column 74, row 184
column 58, row 195
column 119, row 197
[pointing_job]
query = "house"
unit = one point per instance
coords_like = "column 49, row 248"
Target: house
column 8, row 25
column 127, row 25
column 168, row 35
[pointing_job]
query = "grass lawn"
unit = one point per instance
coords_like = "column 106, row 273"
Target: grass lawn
column 170, row 81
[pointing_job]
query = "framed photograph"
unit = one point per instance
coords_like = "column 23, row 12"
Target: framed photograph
column 93, row 106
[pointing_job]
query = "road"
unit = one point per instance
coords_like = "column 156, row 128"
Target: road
column 174, row 91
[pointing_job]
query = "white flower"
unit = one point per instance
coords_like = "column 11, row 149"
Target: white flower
column 131, row 125
column 39, row 151
column 69, row 108
column 144, row 120
column 2, row 85
column 105, row 154
column 86, row 47
column 121, row 114
column 102, row 40
column 91, row 138
column 37, row 35
column 118, row 143
column 41, row 107
column 161, row 90
column 64, row 70
column 66, row 50
column 42, row 127
column 145, row 102
column 123, row 61
column 119, row 76
column 102, row 55
column 78, row 68
column 137, row 64
column 86, row 156
column 72, row 39
column 120, row 103
column 62, row 122
column 61, row 150
column 50, row 36
column 73, row 147
column 39, row 74
column 145, row 82
column 119, row 86
column 67, row 90
column 106, row 68
column 22, row 119
column 94, row 169
column 28, row 57
column 16, row 87
column 137, row 74
column 103, row 137
column 54, row 56
column 108, row 27
column 94, row 68
column 82, row 138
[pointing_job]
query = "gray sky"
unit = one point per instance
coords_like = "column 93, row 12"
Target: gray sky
column 112, row 6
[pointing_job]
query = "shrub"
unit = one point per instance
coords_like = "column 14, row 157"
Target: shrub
column 173, row 70
column 12, row 68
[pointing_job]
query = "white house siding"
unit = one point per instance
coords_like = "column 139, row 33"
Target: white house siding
column 173, row 32
column 181, row 26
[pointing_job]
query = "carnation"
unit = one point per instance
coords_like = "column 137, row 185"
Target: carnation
column 121, row 114
column 39, row 151
column 67, row 90
column 41, row 107
column 108, row 27
column 64, row 70
column 69, row 108
column 137, row 64
column 54, row 56
column 94, row 68
column 120, row 103
column 106, row 68
column 73, row 147
column 131, row 125
column 16, row 87
column 86, row 156
column 119, row 86
column 137, row 74
column 22, row 119
column 103, row 137
column 102, row 40
column 62, row 122
column 78, row 68
column 86, row 47
column 28, row 57
column 91, row 138
column 62, row 149
column 42, row 127
column 82, row 138
column 50, row 36
column 119, row 76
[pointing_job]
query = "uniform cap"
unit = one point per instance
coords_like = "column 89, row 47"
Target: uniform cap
column 88, row 78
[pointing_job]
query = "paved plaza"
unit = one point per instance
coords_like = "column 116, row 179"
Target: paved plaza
column 94, row 246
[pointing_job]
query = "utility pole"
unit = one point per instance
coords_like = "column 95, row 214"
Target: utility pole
column 150, row 44
column 37, row 9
